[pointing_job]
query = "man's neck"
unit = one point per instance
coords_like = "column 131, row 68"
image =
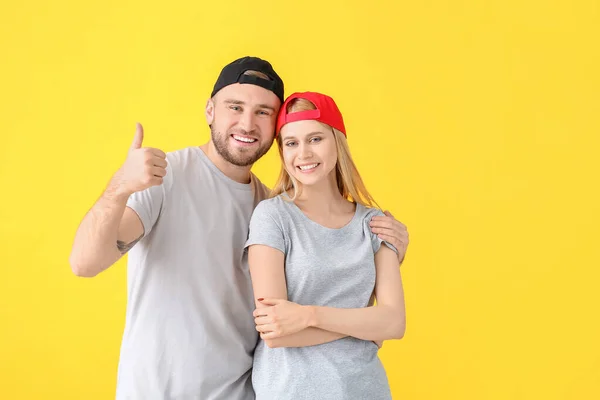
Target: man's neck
column 234, row 172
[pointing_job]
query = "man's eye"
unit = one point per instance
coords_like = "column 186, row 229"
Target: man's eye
column 235, row 108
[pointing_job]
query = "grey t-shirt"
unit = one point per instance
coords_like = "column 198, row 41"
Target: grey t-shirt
column 189, row 331
column 323, row 267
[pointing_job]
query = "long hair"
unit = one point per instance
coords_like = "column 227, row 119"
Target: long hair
column 348, row 180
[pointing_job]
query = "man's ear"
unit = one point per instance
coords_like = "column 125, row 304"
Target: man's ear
column 209, row 112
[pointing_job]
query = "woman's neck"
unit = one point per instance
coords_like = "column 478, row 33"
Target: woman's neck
column 323, row 199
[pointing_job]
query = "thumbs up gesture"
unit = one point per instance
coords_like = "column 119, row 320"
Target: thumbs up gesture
column 144, row 167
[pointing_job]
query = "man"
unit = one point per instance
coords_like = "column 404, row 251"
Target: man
column 183, row 217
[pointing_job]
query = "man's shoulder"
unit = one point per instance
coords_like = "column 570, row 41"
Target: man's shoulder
column 261, row 191
column 186, row 163
column 181, row 156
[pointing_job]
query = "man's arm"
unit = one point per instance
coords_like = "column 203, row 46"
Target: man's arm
column 110, row 228
column 106, row 233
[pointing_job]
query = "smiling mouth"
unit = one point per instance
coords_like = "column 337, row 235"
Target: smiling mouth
column 309, row 167
column 244, row 139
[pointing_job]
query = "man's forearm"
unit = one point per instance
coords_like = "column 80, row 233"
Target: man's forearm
column 95, row 246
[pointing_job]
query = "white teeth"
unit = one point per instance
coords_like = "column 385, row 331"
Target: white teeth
column 243, row 139
column 307, row 167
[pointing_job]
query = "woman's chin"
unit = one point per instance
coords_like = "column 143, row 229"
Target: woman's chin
column 307, row 180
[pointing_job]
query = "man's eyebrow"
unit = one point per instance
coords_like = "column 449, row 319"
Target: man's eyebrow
column 267, row 107
column 239, row 102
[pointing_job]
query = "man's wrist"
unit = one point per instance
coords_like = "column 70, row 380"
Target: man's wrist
column 116, row 190
column 116, row 195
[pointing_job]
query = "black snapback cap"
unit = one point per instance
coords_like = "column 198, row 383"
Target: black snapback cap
column 234, row 73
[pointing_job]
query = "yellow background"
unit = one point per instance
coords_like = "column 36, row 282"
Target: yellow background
column 475, row 122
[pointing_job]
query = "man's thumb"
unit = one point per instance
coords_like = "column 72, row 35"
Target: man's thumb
column 138, row 138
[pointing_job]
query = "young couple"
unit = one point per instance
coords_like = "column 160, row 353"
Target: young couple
column 238, row 293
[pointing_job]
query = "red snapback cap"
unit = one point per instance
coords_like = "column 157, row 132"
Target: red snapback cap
column 327, row 111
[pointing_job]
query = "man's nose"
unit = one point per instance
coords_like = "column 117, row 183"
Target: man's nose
column 246, row 121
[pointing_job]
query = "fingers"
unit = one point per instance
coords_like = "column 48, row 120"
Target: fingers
column 157, row 152
column 383, row 231
column 389, row 214
column 262, row 320
column 158, row 171
column 151, row 159
column 392, row 240
column 385, row 222
column 266, row 328
column 270, row 335
column 138, row 138
column 159, row 162
column 399, row 245
column 261, row 312
column 399, row 234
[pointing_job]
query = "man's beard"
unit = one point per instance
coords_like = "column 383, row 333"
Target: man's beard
column 242, row 157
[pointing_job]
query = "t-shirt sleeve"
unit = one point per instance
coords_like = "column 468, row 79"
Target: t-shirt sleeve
column 375, row 240
column 150, row 203
column 266, row 227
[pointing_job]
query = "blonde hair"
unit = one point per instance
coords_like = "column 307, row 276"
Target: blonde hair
column 349, row 182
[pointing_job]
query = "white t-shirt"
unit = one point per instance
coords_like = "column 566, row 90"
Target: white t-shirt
column 189, row 331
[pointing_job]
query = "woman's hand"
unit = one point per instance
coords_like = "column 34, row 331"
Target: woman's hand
column 281, row 318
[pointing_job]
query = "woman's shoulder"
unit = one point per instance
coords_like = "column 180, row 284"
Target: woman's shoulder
column 366, row 212
column 274, row 206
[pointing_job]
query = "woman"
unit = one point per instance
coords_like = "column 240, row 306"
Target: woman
column 316, row 267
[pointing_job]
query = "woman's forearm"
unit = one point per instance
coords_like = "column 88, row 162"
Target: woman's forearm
column 369, row 323
column 304, row 338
